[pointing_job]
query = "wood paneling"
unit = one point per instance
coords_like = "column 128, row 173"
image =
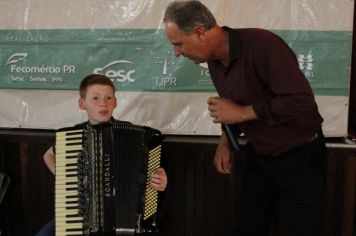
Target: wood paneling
column 198, row 201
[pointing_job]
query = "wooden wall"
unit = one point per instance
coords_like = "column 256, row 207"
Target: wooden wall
column 198, row 201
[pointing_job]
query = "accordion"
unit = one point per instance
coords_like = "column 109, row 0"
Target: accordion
column 102, row 179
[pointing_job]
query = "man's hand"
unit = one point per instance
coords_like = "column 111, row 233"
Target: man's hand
column 222, row 159
column 228, row 112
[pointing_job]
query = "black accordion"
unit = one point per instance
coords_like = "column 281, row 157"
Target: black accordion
column 102, row 179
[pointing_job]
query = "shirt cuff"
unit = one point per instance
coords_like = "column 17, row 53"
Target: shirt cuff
column 263, row 113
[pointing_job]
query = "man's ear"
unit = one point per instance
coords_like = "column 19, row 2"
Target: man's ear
column 81, row 103
column 200, row 32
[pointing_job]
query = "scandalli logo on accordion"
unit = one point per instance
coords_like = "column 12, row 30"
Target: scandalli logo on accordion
column 107, row 176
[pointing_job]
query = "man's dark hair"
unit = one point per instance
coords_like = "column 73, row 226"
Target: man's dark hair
column 92, row 80
column 189, row 14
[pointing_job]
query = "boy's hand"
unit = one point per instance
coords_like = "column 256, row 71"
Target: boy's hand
column 159, row 180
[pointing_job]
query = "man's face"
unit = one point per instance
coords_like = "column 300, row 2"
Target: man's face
column 187, row 45
column 99, row 103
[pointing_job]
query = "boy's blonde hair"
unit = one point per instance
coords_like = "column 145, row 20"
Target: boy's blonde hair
column 92, row 80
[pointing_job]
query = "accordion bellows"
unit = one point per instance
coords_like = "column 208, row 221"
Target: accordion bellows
column 102, row 179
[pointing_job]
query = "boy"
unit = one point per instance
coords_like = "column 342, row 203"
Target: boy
column 97, row 98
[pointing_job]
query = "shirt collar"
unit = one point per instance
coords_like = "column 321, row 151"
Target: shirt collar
column 105, row 122
column 234, row 43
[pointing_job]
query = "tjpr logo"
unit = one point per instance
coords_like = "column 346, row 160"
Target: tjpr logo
column 168, row 69
column 168, row 65
column 120, row 75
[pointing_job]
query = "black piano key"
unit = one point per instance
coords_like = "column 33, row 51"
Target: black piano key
column 71, row 202
column 74, row 221
column 71, row 189
column 71, row 170
column 71, row 175
column 73, row 216
column 74, row 229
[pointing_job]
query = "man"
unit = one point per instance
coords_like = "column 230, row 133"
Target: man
column 265, row 96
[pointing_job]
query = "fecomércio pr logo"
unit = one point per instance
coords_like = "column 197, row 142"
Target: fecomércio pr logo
column 16, row 57
column 34, row 71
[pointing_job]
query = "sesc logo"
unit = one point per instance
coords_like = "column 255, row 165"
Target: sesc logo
column 120, row 75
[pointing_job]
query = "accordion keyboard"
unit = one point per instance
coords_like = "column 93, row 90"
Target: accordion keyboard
column 67, row 217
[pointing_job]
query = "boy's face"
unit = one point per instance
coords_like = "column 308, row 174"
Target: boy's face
column 99, row 103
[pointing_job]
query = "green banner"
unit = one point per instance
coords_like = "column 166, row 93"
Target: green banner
column 143, row 60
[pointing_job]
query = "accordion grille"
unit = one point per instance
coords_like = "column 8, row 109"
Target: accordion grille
column 151, row 194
